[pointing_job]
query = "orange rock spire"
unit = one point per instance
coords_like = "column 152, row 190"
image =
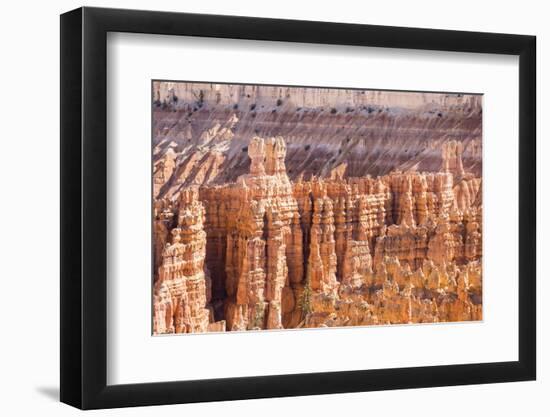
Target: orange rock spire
column 400, row 248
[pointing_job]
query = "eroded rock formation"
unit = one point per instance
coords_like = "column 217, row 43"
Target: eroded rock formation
column 182, row 289
column 268, row 252
column 201, row 132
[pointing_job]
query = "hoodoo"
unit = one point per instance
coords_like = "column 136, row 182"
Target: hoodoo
column 265, row 252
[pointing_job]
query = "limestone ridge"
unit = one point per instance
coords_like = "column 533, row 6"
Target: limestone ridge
column 265, row 252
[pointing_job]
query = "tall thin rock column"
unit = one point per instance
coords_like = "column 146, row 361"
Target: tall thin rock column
column 260, row 238
column 182, row 291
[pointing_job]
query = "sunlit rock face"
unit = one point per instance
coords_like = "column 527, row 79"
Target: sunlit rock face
column 278, row 208
column 182, row 289
column 207, row 127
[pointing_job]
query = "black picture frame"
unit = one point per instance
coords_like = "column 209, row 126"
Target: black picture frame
column 84, row 207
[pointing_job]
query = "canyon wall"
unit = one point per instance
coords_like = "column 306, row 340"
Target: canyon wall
column 201, row 131
column 281, row 207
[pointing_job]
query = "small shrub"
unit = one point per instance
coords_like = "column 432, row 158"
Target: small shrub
column 307, row 147
column 305, row 300
column 279, row 102
column 244, row 149
column 252, row 106
column 235, row 106
column 333, row 111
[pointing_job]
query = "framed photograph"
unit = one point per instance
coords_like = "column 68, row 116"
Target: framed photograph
column 257, row 208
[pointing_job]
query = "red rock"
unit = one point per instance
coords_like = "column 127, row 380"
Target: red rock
column 270, row 237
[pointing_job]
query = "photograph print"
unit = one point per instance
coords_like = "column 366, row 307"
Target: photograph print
column 288, row 207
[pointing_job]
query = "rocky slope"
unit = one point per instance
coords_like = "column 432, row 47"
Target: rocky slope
column 201, row 131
